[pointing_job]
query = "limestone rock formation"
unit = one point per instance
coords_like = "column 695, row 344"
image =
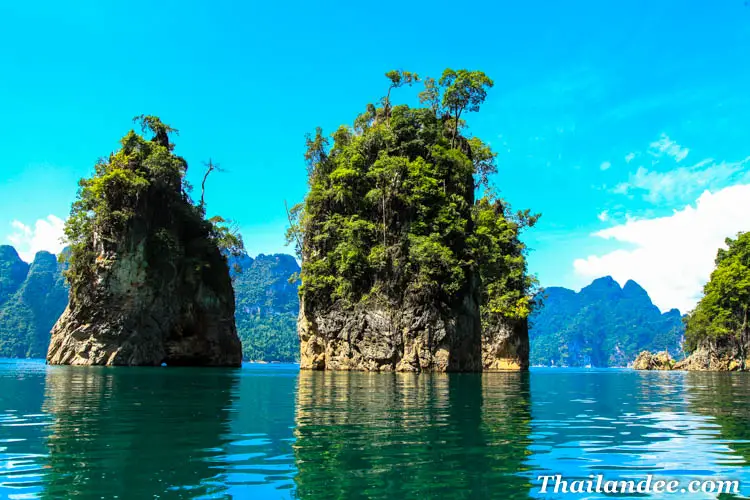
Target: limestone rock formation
column 402, row 264
column 648, row 361
column 149, row 284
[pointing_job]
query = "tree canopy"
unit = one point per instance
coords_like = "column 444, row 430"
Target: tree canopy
column 112, row 202
column 723, row 310
column 392, row 208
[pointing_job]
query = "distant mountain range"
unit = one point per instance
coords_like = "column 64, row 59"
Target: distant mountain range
column 266, row 307
column 32, row 297
column 602, row 325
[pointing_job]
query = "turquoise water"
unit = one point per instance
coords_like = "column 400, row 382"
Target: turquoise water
column 269, row 431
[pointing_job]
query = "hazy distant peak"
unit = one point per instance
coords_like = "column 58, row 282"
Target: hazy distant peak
column 633, row 289
column 606, row 284
column 8, row 252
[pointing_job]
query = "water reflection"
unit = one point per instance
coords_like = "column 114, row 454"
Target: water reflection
column 140, row 433
column 23, row 427
column 625, row 425
column 258, row 460
column 268, row 431
column 725, row 397
column 364, row 435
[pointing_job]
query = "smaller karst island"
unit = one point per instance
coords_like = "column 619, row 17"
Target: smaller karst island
column 148, row 275
column 410, row 260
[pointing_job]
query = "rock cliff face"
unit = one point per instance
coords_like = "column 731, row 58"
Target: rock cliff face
column 373, row 338
column 712, row 355
column 131, row 315
column 505, row 345
column 149, row 284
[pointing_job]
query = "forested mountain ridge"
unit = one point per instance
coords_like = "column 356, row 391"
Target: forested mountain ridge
column 267, row 304
column 602, row 325
column 32, row 297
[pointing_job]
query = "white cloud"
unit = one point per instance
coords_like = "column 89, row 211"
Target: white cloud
column 46, row 235
column 681, row 183
column 629, row 157
column 666, row 146
column 672, row 257
column 603, row 216
column 605, row 165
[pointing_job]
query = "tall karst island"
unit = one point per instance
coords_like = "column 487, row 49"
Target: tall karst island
column 410, row 261
column 149, row 281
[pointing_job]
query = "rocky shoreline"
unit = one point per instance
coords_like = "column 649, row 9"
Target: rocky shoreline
column 712, row 355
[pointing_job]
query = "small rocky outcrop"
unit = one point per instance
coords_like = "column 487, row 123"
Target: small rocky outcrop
column 149, row 284
column 649, row 361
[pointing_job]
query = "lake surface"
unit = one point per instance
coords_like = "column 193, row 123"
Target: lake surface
column 269, row 431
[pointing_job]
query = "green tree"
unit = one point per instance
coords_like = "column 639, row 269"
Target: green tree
column 463, row 91
column 723, row 310
column 398, row 79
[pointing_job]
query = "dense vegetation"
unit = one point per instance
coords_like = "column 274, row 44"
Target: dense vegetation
column 32, row 299
column 267, row 305
column 111, row 205
column 391, row 211
column 723, row 310
column 602, row 325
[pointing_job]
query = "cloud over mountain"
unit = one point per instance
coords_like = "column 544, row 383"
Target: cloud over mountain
column 45, row 234
column 672, row 256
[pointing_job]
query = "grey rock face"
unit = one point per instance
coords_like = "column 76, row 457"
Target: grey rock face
column 413, row 338
column 130, row 312
column 649, row 361
column 505, row 345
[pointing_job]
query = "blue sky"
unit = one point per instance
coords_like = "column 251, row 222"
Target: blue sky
column 612, row 119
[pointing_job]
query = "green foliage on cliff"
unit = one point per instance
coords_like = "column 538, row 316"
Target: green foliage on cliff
column 723, row 310
column 28, row 313
column 267, row 307
column 114, row 204
column 391, row 209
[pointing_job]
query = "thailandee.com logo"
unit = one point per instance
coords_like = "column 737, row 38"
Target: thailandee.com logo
column 648, row 485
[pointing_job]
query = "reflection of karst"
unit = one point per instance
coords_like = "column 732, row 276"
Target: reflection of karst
column 725, row 397
column 397, row 435
column 140, row 433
